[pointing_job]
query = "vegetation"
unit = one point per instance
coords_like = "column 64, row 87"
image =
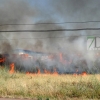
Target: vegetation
column 49, row 87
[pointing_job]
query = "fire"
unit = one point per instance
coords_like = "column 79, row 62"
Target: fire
column 61, row 58
column 46, row 72
column 75, row 74
column 24, row 55
column 2, row 60
column 55, row 72
column 52, row 73
column 38, row 72
column 11, row 68
column 27, row 72
column 84, row 74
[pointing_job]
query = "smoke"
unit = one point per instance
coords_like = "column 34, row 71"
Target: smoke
column 13, row 12
column 72, row 10
column 71, row 46
column 6, row 47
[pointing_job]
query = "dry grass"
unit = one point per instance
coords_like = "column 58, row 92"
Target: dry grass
column 45, row 87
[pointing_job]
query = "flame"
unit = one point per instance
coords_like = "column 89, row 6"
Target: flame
column 11, row 68
column 38, row 72
column 61, row 58
column 24, row 55
column 55, row 72
column 75, row 74
column 84, row 74
column 52, row 73
column 27, row 72
column 2, row 59
column 46, row 72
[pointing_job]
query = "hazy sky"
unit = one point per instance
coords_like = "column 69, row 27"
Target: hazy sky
column 57, row 10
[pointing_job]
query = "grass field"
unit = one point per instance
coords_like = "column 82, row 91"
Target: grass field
column 49, row 87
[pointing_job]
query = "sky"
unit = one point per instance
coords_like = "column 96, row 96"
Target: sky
column 57, row 10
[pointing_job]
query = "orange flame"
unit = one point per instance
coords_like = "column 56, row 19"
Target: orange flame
column 27, row 72
column 75, row 74
column 38, row 72
column 11, row 68
column 84, row 74
column 24, row 56
column 46, row 72
column 55, row 72
column 2, row 59
column 62, row 60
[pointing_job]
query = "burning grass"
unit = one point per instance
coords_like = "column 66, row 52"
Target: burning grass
column 60, row 87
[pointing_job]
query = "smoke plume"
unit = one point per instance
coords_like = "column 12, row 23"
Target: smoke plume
column 70, row 44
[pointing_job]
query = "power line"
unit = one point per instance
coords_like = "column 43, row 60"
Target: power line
column 54, row 30
column 92, row 35
column 53, row 23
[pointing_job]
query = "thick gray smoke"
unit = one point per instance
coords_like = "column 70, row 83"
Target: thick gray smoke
column 13, row 12
column 70, row 44
column 71, row 10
